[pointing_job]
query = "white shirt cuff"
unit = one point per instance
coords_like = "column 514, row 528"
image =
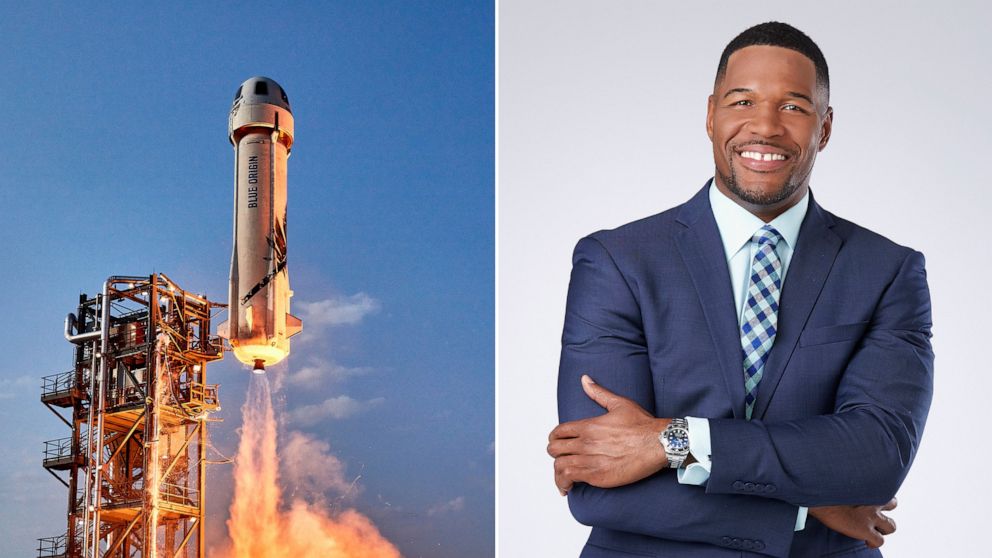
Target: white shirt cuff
column 801, row 518
column 699, row 446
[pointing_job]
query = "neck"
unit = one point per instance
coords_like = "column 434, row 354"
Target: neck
column 765, row 212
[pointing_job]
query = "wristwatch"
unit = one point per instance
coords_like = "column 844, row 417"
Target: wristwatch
column 675, row 439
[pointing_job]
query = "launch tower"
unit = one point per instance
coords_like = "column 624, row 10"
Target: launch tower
column 136, row 402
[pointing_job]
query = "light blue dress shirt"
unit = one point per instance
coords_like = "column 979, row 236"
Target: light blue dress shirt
column 737, row 225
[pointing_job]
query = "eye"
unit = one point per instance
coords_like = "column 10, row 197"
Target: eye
column 741, row 103
column 793, row 107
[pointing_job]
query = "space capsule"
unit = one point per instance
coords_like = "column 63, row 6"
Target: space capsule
column 259, row 325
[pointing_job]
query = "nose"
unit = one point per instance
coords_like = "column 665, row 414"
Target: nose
column 766, row 121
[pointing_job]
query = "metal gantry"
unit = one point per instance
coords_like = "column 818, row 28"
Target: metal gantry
column 138, row 405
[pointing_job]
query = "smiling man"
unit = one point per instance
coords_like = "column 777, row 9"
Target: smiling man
column 775, row 355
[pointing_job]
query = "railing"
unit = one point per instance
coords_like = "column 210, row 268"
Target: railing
column 209, row 346
column 195, row 397
column 214, row 345
column 60, row 450
column 210, row 395
column 203, row 394
column 58, row 383
column 57, row 547
column 176, row 494
column 50, row 547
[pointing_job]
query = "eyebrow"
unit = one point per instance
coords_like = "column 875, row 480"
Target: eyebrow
column 796, row 94
column 737, row 90
column 803, row 96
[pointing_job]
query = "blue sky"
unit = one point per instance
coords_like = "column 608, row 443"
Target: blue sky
column 115, row 160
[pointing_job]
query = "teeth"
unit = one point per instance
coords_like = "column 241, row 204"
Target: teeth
column 762, row 156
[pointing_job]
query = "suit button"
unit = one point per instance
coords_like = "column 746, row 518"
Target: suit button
column 738, row 485
column 749, row 486
column 747, row 544
column 770, row 488
column 726, row 541
column 735, row 542
column 758, row 545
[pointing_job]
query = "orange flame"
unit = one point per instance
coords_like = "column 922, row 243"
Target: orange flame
column 259, row 526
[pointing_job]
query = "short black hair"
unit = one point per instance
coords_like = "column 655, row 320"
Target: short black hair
column 774, row 33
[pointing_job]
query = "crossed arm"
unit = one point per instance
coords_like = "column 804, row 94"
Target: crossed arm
column 881, row 404
column 622, row 446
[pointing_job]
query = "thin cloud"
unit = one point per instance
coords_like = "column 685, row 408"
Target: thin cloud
column 338, row 407
column 451, row 506
column 321, row 371
column 16, row 387
column 339, row 310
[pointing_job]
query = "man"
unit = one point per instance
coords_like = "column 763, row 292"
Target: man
column 774, row 354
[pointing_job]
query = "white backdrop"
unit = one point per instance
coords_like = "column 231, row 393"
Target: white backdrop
column 601, row 109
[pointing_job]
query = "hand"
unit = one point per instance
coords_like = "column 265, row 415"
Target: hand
column 867, row 523
column 618, row 448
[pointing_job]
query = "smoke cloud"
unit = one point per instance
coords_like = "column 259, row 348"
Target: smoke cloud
column 261, row 526
column 312, row 472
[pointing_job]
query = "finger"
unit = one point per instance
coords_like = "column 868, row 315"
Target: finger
column 567, row 430
column 875, row 539
column 566, row 446
column 574, row 467
column 891, row 505
column 604, row 397
column 563, row 483
column 885, row 524
column 568, row 470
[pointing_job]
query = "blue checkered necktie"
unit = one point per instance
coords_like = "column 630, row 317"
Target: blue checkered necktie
column 760, row 315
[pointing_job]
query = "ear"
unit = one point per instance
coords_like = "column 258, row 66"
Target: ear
column 825, row 128
column 710, row 109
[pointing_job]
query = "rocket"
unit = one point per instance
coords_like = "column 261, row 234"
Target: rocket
column 259, row 325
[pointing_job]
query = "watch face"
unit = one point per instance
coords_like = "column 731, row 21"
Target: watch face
column 678, row 440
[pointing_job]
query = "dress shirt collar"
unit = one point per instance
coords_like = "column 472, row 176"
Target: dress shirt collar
column 737, row 225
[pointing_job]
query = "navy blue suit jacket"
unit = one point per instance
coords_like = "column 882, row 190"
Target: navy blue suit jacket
column 840, row 408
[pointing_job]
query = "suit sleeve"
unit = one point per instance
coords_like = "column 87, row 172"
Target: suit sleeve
column 604, row 337
column 862, row 452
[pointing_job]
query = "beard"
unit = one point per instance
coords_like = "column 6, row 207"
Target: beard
column 758, row 197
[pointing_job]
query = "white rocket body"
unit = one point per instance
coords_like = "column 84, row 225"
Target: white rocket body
column 259, row 324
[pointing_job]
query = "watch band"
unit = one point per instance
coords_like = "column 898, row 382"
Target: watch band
column 675, row 439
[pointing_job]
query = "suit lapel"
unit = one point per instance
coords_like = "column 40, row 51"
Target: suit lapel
column 814, row 255
column 701, row 248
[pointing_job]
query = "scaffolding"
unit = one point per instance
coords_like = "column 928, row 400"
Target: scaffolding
column 137, row 404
